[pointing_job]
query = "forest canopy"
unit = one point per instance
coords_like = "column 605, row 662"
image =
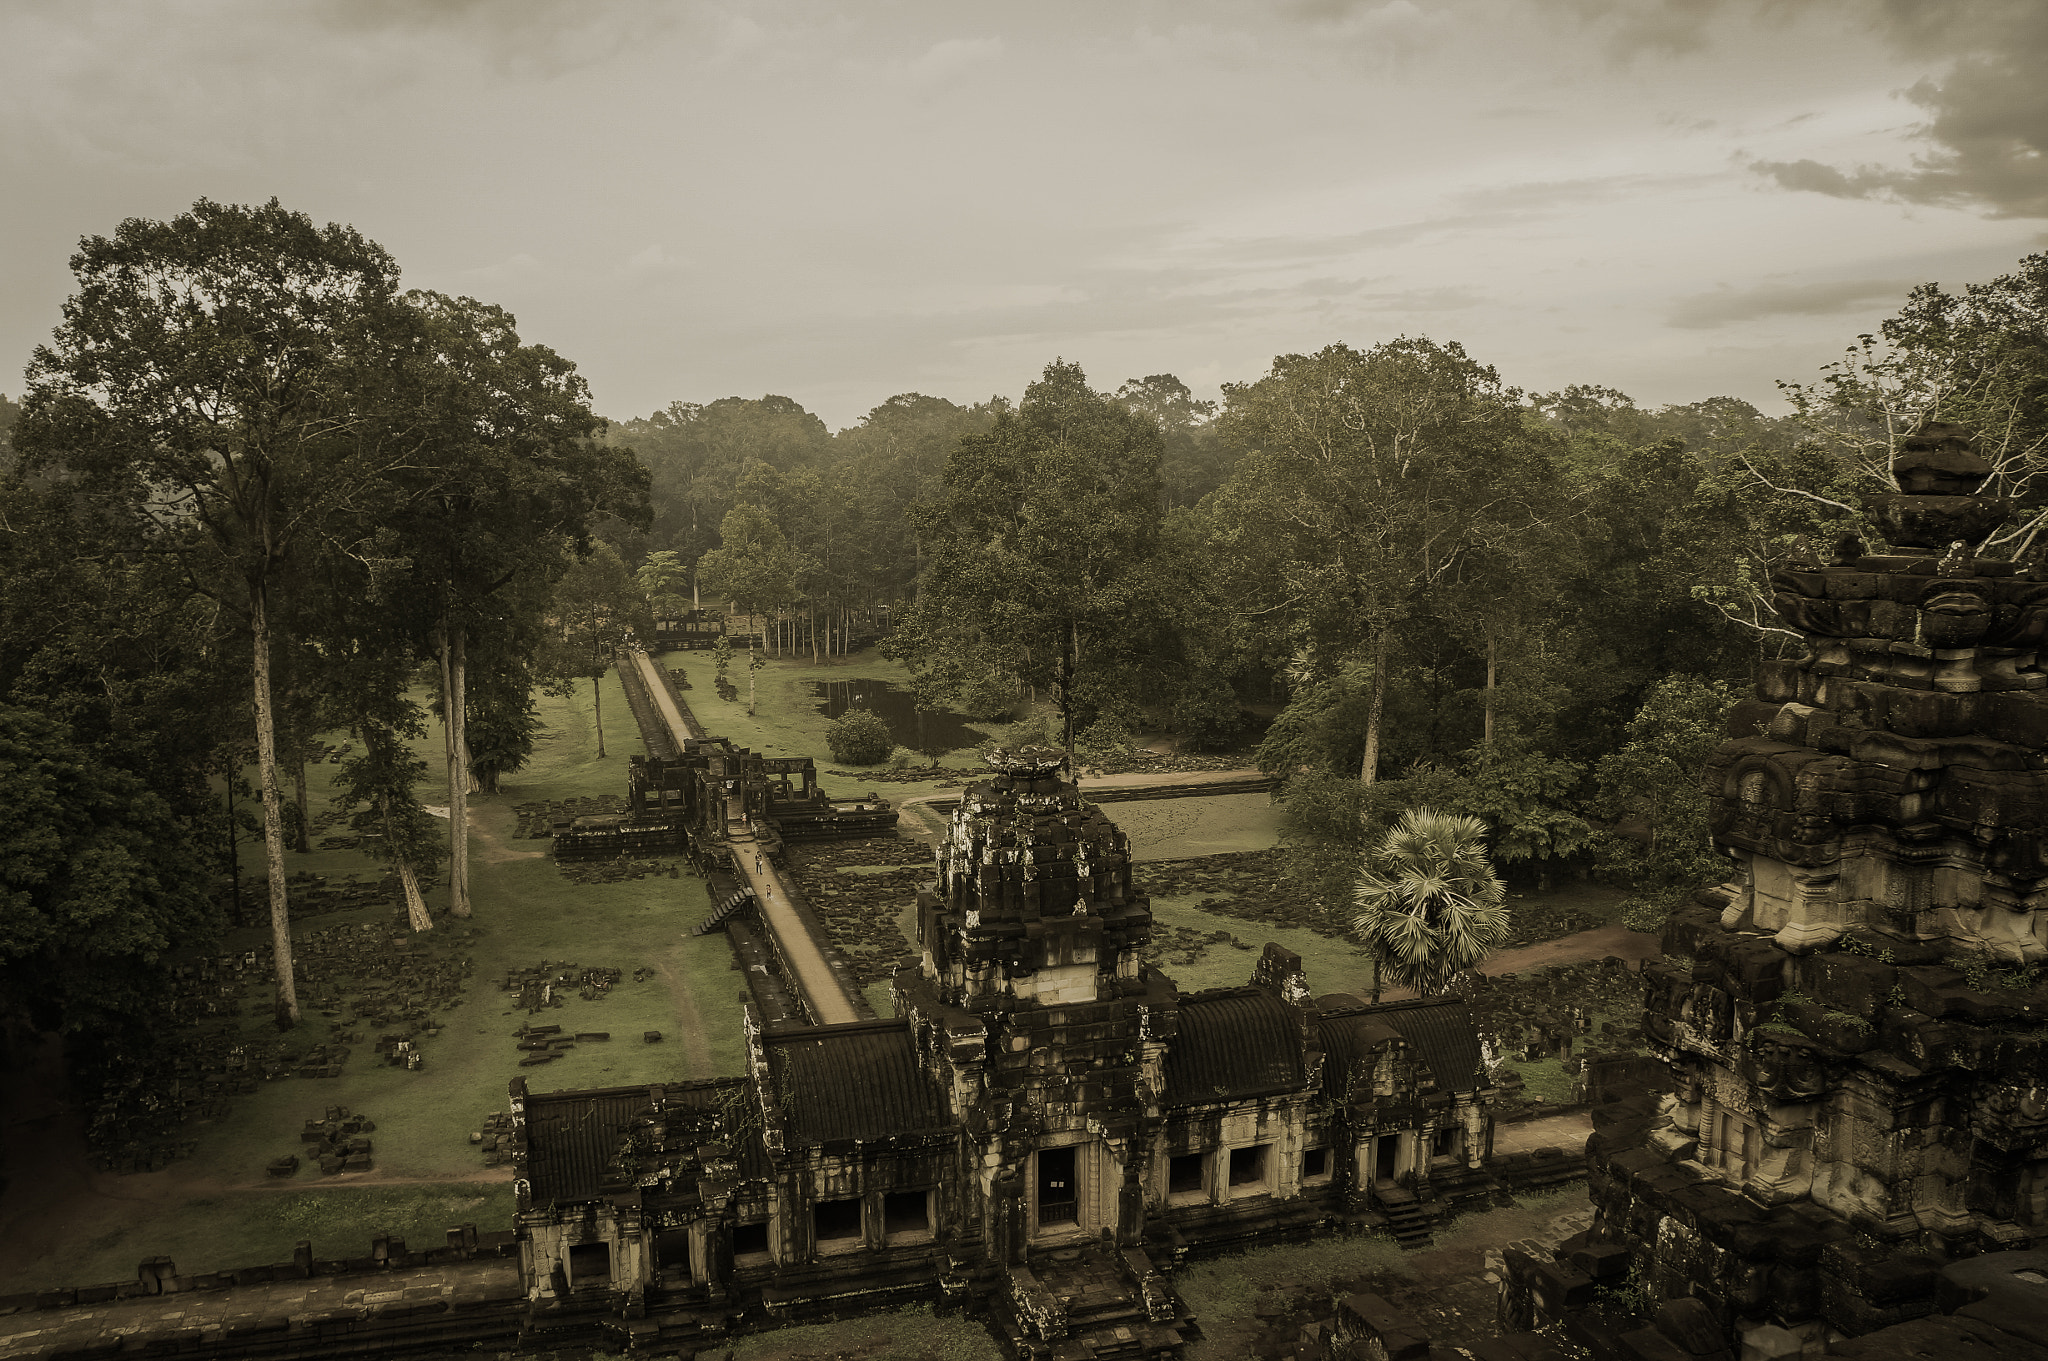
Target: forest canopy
column 256, row 490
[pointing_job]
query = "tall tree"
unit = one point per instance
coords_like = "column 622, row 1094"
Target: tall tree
column 228, row 371
column 1193, row 462
column 1043, row 554
column 753, row 568
column 1370, row 481
column 1429, row 904
column 887, row 463
column 509, row 477
column 697, row 453
column 600, row 608
column 665, row 580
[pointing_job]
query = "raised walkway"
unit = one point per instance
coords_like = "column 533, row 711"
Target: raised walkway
column 828, row 994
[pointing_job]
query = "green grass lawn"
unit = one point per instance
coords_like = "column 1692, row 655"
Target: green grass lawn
column 259, row 1227
column 1181, row 829
column 525, row 911
column 786, row 721
column 1331, row 965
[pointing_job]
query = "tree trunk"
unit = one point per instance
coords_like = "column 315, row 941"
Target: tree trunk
column 273, row 813
column 234, row 844
column 1488, row 735
column 303, row 840
column 1369, row 767
column 415, row 905
column 458, row 783
column 597, row 698
column 1070, row 663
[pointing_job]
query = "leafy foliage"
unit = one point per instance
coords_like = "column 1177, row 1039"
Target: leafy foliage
column 1429, row 904
column 1044, row 559
column 1651, row 788
column 859, row 737
column 100, row 879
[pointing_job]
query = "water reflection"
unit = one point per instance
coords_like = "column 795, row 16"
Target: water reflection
column 932, row 733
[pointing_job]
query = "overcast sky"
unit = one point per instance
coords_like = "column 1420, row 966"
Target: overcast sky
column 838, row 202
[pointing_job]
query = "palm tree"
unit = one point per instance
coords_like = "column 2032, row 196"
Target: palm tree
column 1430, row 905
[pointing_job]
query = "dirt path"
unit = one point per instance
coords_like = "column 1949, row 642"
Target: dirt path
column 1598, row 943
column 492, row 848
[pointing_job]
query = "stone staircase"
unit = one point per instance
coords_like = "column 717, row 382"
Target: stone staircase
column 1091, row 1302
column 734, row 902
column 1408, row 1220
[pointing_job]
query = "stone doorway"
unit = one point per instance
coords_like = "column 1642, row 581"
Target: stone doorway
column 1059, row 1196
column 1386, row 1158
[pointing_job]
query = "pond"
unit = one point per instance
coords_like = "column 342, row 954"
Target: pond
column 935, row 732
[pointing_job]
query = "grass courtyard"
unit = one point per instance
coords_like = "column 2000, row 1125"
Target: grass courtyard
column 62, row 1223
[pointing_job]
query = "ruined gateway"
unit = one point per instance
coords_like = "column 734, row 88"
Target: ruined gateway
column 1856, row 1036
column 1045, row 1128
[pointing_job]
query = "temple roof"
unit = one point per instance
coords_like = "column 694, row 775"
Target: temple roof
column 848, row 1082
column 574, row 1138
column 1438, row 1030
column 1236, row 1043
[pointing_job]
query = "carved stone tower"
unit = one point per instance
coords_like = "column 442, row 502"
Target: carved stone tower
column 1853, row 1025
column 1032, row 1003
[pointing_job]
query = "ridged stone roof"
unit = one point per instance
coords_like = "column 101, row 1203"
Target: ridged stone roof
column 1438, row 1030
column 859, row 1081
column 572, row 1139
column 1239, row 1043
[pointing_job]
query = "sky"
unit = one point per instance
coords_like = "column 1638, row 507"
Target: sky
column 838, row 202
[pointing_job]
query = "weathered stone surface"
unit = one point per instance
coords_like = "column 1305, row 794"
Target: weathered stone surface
column 1851, row 1035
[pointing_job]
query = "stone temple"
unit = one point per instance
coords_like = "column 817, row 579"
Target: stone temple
column 1854, row 1027
column 1045, row 1128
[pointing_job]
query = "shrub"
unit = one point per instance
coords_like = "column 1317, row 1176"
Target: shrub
column 1645, row 914
column 859, row 738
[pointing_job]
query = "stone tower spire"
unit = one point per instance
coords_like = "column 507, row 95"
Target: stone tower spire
column 1854, row 1024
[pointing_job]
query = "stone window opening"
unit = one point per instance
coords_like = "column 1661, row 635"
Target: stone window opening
column 1187, row 1178
column 1315, row 1164
column 590, row 1266
column 1248, row 1170
column 906, row 1216
column 837, row 1224
column 1448, row 1142
column 750, row 1243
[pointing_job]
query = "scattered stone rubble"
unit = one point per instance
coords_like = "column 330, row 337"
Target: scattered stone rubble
column 618, row 870
column 375, row 984
column 541, row 819
column 550, row 985
column 338, row 1142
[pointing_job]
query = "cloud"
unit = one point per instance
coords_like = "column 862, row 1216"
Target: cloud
column 514, row 266
column 950, row 56
column 1986, row 128
column 527, row 37
column 1726, row 306
column 653, row 258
